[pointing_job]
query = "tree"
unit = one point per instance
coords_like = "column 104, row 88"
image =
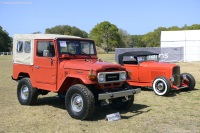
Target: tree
column 106, row 33
column 137, row 41
column 152, row 39
column 5, row 41
column 126, row 39
column 66, row 30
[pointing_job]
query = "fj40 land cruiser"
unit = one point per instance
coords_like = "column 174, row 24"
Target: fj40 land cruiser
column 69, row 66
column 147, row 71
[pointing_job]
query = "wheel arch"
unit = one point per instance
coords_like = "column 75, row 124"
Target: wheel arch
column 72, row 80
column 69, row 81
column 23, row 75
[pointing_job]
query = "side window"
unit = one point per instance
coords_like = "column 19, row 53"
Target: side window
column 27, row 47
column 129, row 60
column 19, row 46
column 41, row 46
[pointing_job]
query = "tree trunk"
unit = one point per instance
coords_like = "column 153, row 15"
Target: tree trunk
column 106, row 44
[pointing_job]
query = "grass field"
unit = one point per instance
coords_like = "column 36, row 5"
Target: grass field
column 179, row 112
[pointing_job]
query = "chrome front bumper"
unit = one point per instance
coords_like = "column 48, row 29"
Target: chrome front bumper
column 112, row 95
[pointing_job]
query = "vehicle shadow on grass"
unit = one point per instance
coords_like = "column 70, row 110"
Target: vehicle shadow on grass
column 51, row 101
column 172, row 93
column 100, row 111
column 178, row 92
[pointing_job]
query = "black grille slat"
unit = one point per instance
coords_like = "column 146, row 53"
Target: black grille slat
column 112, row 77
column 176, row 70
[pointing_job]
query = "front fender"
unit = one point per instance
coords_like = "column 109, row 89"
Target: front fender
column 83, row 78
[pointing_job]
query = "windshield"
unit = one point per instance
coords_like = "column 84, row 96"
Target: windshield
column 148, row 58
column 76, row 47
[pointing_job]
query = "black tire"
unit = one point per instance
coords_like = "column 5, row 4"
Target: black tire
column 190, row 81
column 26, row 94
column 161, row 86
column 121, row 103
column 80, row 102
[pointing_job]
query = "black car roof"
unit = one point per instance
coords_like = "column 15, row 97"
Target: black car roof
column 134, row 53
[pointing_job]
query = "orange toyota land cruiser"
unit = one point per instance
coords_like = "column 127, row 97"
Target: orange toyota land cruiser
column 69, row 66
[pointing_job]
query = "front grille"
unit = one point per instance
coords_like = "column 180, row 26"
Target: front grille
column 112, row 77
column 176, row 70
column 176, row 75
column 107, row 77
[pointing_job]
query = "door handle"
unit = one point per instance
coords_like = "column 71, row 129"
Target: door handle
column 51, row 60
column 37, row 67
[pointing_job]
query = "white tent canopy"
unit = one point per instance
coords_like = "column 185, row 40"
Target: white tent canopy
column 189, row 39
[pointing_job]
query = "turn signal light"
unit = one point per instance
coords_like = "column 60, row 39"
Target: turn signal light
column 129, row 73
column 91, row 76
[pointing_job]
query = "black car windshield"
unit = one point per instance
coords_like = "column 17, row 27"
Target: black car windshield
column 147, row 58
column 76, row 47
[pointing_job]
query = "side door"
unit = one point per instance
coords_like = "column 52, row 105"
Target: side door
column 143, row 74
column 45, row 64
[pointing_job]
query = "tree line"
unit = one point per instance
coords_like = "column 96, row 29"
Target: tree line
column 5, row 41
column 105, row 34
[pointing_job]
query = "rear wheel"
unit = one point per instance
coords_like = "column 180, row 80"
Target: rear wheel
column 79, row 102
column 189, row 80
column 27, row 95
column 161, row 86
column 121, row 103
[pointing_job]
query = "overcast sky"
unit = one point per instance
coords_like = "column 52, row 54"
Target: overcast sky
column 134, row 16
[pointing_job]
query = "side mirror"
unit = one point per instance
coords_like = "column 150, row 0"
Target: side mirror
column 46, row 53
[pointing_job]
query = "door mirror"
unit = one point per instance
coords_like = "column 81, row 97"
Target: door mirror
column 46, row 53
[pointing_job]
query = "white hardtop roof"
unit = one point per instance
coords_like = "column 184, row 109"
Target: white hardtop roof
column 41, row 36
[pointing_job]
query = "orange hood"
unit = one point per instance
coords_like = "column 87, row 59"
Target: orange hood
column 157, row 64
column 88, row 65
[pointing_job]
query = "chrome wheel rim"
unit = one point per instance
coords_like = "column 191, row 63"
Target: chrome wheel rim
column 77, row 102
column 160, row 86
column 24, row 92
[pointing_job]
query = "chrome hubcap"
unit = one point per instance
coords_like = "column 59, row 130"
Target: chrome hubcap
column 77, row 102
column 160, row 86
column 24, row 92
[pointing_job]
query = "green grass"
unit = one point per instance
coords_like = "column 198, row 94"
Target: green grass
column 179, row 112
column 107, row 57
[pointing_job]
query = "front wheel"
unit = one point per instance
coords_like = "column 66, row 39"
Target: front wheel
column 161, row 86
column 79, row 102
column 188, row 80
column 27, row 95
column 122, row 103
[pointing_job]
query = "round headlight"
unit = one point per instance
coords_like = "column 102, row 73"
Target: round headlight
column 172, row 79
column 123, row 76
column 101, row 78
